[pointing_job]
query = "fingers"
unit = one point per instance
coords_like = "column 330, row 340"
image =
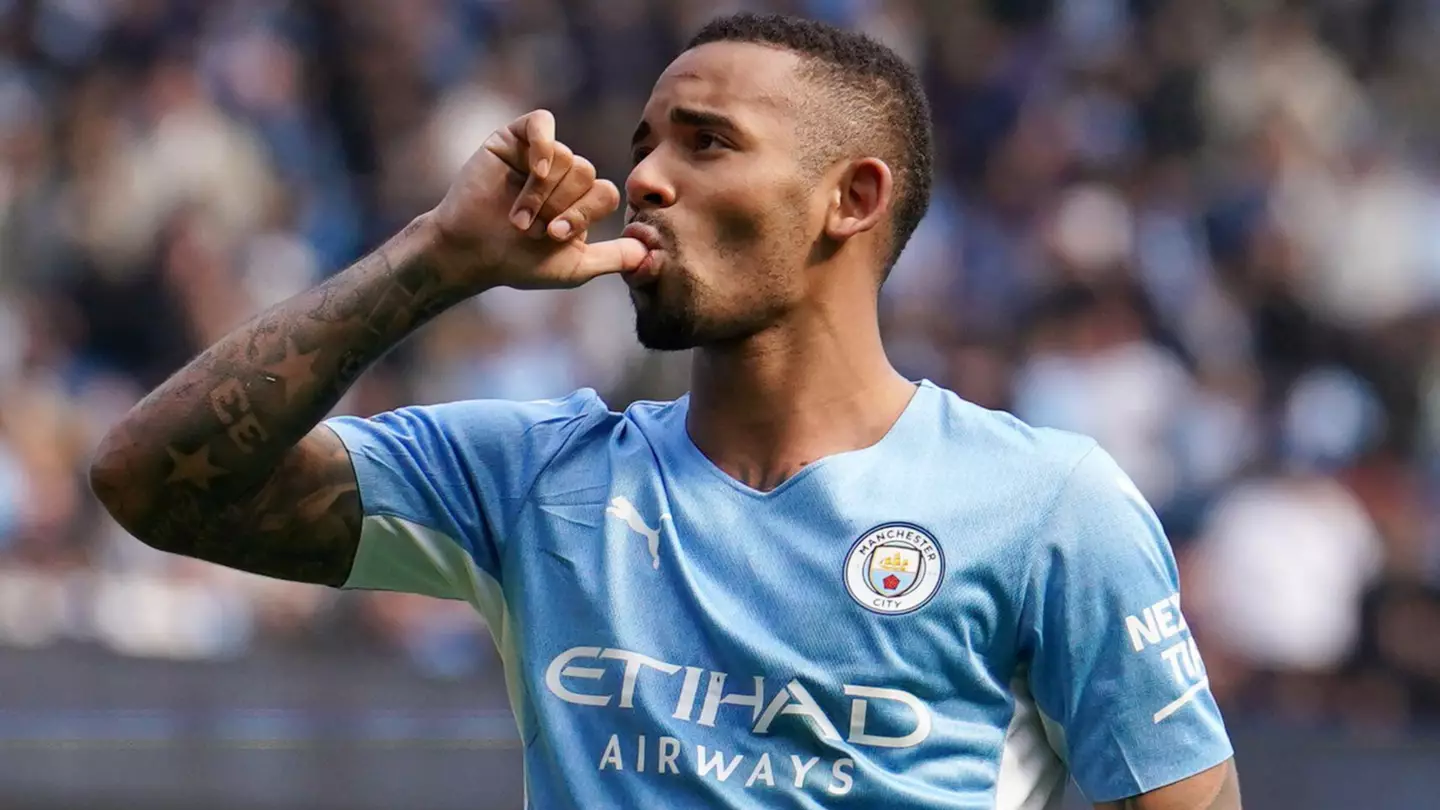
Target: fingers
column 560, row 195
column 615, row 256
column 527, row 144
column 575, row 207
column 598, row 203
column 537, row 130
column 537, row 190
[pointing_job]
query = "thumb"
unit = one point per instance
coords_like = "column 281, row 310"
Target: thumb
column 613, row 256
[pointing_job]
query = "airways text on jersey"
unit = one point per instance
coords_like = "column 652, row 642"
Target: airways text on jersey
column 873, row 716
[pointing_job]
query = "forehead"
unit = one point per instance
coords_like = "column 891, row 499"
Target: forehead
column 737, row 78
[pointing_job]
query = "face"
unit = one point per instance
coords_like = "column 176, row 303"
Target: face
column 732, row 215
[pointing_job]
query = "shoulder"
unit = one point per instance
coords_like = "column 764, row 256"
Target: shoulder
column 1040, row 460
column 1061, row 493
column 471, row 429
column 558, row 414
column 486, row 415
column 654, row 411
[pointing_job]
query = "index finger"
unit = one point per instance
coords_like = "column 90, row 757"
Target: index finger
column 537, row 130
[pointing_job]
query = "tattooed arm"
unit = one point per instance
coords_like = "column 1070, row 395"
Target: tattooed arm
column 225, row 462
column 1215, row 789
column 221, row 462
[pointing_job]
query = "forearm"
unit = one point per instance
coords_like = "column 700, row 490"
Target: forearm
column 175, row 469
column 224, row 461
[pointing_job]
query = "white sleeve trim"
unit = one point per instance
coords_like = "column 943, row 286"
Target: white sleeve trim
column 399, row 555
column 396, row 554
column 1032, row 770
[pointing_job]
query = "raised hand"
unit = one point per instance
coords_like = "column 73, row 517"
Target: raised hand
column 521, row 208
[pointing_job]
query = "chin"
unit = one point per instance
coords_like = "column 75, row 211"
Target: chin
column 663, row 323
column 665, row 334
column 670, row 317
column 672, row 331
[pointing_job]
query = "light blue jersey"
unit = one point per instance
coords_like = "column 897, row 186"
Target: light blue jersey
column 941, row 620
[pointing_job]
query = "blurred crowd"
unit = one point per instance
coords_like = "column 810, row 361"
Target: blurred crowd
column 1197, row 231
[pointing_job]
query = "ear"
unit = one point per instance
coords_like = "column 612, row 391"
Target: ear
column 865, row 189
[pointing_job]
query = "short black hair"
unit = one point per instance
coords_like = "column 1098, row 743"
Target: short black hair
column 873, row 85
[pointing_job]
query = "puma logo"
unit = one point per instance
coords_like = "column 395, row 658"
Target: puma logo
column 626, row 512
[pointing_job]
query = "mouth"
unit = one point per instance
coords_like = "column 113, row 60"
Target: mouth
column 647, row 275
column 647, row 235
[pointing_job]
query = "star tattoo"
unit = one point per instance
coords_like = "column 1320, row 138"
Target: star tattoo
column 193, row 467
column 296, row 370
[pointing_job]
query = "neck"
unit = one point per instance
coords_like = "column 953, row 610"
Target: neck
column 811, row 387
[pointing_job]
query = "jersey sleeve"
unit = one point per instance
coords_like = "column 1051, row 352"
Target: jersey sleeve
column 439, row 486
column 1112, row 662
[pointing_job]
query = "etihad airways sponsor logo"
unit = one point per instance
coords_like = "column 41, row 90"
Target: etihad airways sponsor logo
column 668, row 756
column 700, row 694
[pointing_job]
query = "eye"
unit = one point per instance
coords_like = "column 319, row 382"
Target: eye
column 639, row 155
column 705, row 141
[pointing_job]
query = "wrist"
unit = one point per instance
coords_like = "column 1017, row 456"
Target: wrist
column 461, row 265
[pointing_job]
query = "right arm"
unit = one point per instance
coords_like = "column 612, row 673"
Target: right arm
column 225, row 462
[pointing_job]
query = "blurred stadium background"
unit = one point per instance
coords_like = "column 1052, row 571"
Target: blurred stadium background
column 1206, row 232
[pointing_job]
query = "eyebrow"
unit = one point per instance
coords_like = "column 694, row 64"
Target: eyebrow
column 700, row 118
column 690, row 118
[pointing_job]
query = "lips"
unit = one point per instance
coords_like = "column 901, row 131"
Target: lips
column 649, row 236
column 645, row 234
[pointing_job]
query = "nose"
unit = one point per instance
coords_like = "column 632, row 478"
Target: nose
column 647, row 186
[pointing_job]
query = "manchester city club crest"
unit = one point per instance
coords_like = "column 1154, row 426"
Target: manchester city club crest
column 894, row 568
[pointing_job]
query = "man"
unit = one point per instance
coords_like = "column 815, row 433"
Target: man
column 811, row 582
